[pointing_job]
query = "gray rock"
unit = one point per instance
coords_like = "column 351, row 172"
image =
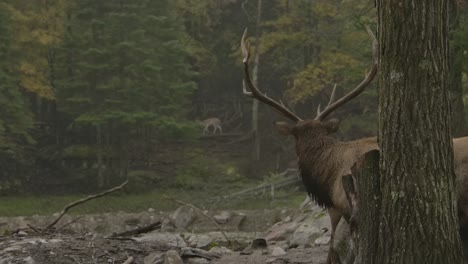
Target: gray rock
column 277, row 252
column 167, row 225
column 259, row 243
column 281, row 231
column 220, row 250
column 6, row 259
column 311, row 228
column 183, row 217
column 22, row 233
column 154, row 258
column 163, row 239
column 223, row 217
column 197, row 261
column 304, row 236
column 200, row 241
column 172, row 257
column 342, row 242
column 29, row 260
column 322, row 241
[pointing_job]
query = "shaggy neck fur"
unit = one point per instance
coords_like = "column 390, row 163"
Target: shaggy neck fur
column 317, row 168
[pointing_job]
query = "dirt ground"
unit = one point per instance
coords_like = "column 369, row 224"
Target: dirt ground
column 87, row 248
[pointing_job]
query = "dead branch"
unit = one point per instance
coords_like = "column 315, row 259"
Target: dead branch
column 129, row 260
column 68, row 223
column 200, row 253
column 220, row 229
column 35, row 229
column 137, row 231
column 81, row 201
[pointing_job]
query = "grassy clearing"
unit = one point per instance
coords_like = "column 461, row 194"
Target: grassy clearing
column 157, row 199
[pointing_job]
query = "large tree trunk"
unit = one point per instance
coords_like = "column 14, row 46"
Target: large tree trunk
column 455, row 68
column 418, row 215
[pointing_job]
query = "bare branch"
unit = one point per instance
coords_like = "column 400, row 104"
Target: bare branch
column 137, row 231
column 84, row 200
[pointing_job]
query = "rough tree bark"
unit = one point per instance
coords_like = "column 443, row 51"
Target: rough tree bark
column 418, row 216
column 455, row 69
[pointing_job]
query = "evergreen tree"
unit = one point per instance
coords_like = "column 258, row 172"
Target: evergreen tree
column 124, row 73
column 15, row 117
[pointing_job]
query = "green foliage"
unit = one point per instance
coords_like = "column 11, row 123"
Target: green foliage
column 359, row 125
column 123, row 64
column 142, row 181
column 203, row 173
column 314, row 46
column 15, row 117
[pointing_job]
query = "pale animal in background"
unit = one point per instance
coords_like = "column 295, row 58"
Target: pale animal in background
column 214, row 123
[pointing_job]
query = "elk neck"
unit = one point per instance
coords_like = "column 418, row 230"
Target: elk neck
column 318, row 165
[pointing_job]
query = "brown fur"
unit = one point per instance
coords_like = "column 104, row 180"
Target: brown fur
column 323, row 161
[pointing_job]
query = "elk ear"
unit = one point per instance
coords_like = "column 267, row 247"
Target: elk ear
column 284, row 128
column 332, row 125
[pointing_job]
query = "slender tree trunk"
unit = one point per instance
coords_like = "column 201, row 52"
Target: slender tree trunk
column 100, row 176
column 256, row 136
column 418, row 215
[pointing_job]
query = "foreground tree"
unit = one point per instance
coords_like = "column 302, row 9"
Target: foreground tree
column 417, row 217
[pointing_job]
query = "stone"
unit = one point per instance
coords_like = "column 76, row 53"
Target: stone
column 281, row 231
column 6, row 259
column 311, row 228
column 259, row 243
column 342, row 242
column 220, row 251
column 277, row 252
column 172, row 257
column 29, row 260
column 223, row 217
column 322, row 241
column 154, row 258
column 199, row 241
column 183, row 217
column 163, row 239
column 304, row 236
column 22, row 233
column 197, row 261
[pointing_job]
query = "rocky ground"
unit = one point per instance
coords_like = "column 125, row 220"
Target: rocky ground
column 184, row 236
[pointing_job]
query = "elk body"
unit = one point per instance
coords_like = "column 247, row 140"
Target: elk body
column 214, row 123
column 324, row 160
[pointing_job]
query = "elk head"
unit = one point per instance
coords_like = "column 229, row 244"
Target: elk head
column 308, row 128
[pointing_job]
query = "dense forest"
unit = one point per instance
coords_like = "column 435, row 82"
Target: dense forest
column 94, row 92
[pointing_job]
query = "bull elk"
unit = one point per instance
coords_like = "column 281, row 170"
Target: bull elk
column 324, row 160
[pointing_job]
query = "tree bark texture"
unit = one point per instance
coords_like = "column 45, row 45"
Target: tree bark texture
column 368, row 207
column 418, row 215
column 455, row 69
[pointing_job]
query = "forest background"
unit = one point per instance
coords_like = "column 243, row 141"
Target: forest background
column 95, row 92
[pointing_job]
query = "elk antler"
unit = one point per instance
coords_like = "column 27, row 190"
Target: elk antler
column 254, row 91
column 332, row 106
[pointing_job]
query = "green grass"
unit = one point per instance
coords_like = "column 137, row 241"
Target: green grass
column 157, row 199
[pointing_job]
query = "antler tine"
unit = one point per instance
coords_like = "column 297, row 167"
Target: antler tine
column 254, row 91
column 358, row 89
column 332, row 98
column 245, row 48
column 244, row 89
